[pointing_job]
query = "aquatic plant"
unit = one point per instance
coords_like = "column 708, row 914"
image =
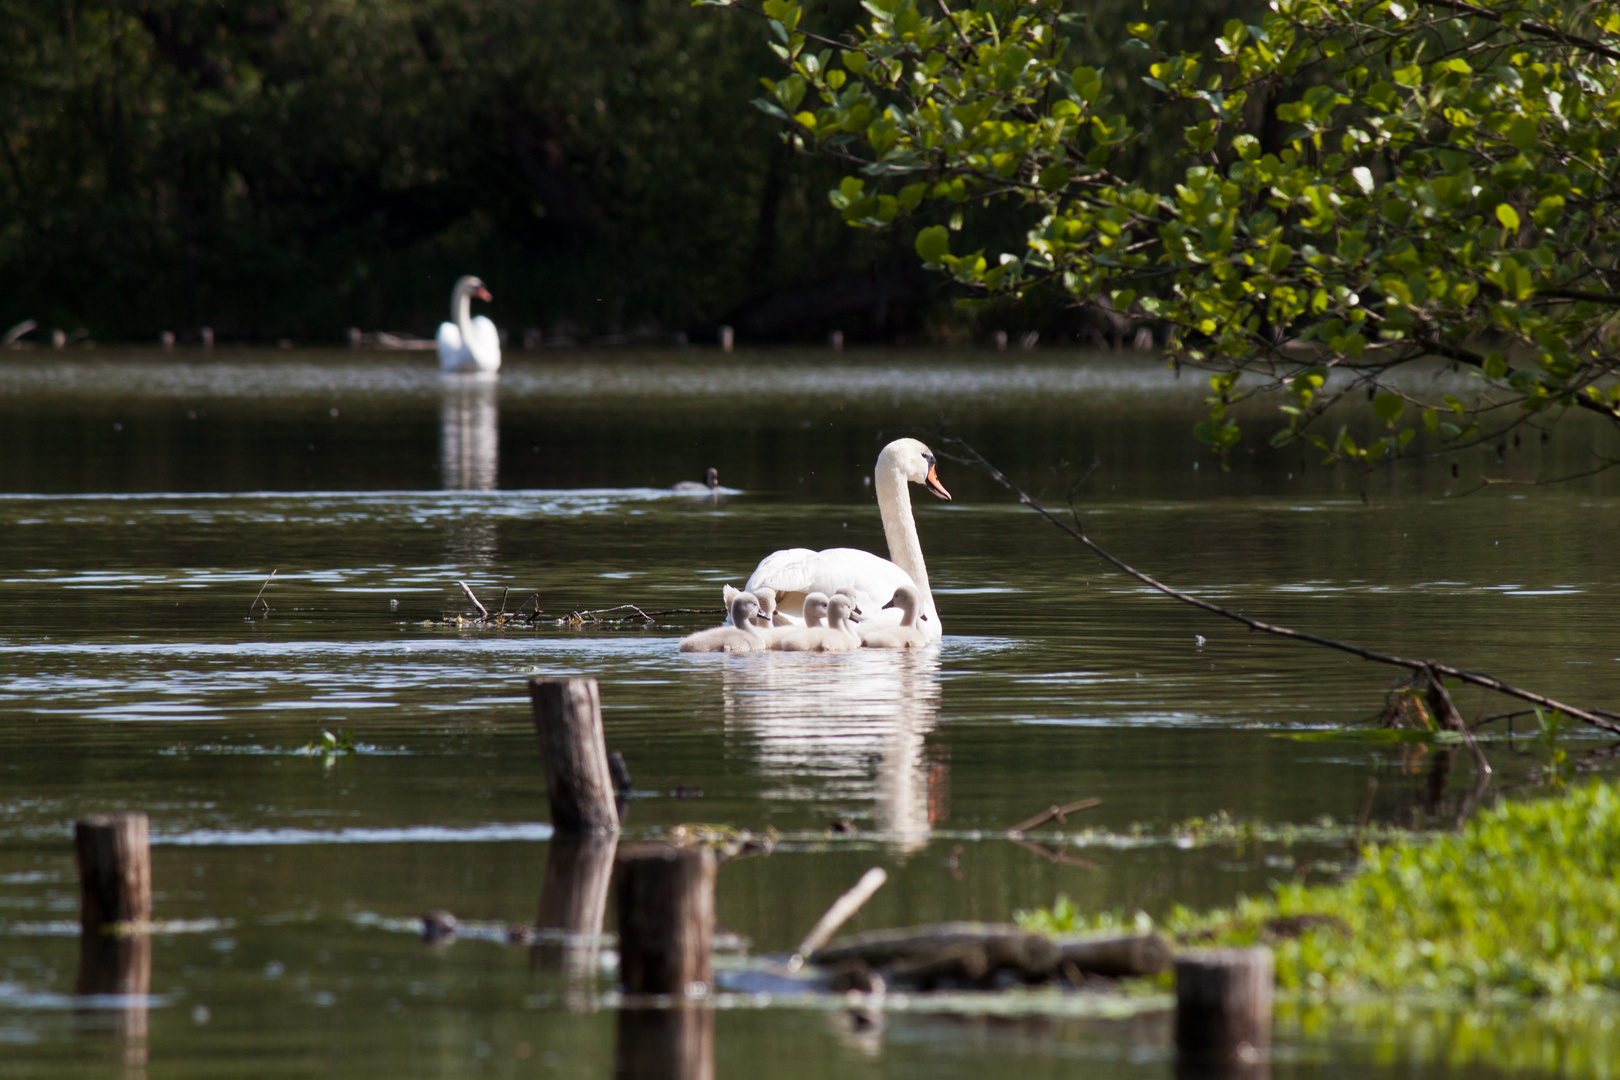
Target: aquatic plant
column 331, row 743
column 1523, row 903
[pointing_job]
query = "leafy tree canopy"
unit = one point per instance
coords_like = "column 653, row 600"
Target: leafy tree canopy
column 1363, row 185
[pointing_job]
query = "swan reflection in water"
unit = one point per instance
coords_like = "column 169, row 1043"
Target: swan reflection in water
column 469, row 458
column 469, row 433
column 844, row 728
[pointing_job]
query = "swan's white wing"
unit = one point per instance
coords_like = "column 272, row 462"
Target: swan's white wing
column 451, row 355
column 485, row 344
column 796, row 571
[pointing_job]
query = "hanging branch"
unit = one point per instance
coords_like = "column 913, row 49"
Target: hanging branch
column 1599, row 718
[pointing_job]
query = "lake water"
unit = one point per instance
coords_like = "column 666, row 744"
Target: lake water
column 146, row 497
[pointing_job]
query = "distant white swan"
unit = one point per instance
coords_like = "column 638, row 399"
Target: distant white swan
column 743, row 636
column 796, row 572
column 908, row 635
column 468, row 344
column 837, row 636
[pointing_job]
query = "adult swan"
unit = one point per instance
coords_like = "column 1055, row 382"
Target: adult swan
column 796, row 572
column 468, row 344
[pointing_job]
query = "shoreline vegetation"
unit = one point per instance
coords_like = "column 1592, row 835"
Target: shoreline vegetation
column 1517, row 907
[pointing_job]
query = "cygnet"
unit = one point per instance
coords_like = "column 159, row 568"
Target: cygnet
column 815, row 614
column 904, row 636
column 741, row 636
column 837, row 636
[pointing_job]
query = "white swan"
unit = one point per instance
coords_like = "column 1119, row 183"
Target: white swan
column 905, row 636
column 837, row 636
column 743, row 636
column 468, row 344
column 796, row 572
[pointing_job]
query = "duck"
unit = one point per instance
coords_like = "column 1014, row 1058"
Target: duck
column 794, row 573
column 904, row 636
column 710, row 485
column 837, row 636
column 741, row 636
column 468, row 344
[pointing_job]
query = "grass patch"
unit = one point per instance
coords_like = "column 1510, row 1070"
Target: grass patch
column 1523, row 903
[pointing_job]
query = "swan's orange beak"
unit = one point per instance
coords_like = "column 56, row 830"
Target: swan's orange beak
column 935, row 486
column 483, row 294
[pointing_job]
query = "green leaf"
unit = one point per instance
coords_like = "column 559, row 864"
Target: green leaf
column 1389, row 407
column 1508, row 216
column 933, row 243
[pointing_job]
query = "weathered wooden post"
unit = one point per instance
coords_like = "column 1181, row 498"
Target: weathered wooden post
column 573, row 751
column 665, row 1044
column 666, row 920
column 1223, row 1012
column 115, row 870
column 115, row 905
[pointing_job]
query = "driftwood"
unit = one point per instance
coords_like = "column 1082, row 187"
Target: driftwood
column 839, row 914
column 1117, row 957
column 1055, row 813
column 988, row 955
column 1433, row 670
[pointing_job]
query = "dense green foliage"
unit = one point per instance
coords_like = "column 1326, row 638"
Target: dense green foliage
column 1360, row 185
column 1522, row 901
column 293, row 169
column 297, row 168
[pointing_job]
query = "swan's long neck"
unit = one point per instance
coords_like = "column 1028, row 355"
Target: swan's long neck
column 899, row 527
column 461, row 309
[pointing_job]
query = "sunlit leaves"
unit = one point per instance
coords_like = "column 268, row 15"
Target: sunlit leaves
column 1414, row 184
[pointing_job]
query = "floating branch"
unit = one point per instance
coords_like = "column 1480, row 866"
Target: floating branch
column 1600, row 718
column 260, row 596
column 618, row 615
column 1054, row 812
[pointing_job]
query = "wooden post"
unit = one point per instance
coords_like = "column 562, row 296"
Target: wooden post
column 666, row 919
column 573, row 751
column 115, row 905
column 115, row 870
column 1223, row 1008
column 665, row 1044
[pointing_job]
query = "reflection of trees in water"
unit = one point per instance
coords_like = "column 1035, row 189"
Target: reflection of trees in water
column 848, row 727
column 469, row 458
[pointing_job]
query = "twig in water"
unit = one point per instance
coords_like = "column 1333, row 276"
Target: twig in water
column 1600, row 718
column 838, row 915
column 504, row 594
column 482, row 610
column 1059, row 813
column 260, row 596
column 1366, row 809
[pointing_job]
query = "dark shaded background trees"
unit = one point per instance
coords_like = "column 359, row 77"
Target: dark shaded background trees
column 292, row 169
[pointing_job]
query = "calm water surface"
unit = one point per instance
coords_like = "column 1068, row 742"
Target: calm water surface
column 145, row 498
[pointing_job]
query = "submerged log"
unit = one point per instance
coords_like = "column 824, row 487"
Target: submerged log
column 948, row 952
column 1117, row 957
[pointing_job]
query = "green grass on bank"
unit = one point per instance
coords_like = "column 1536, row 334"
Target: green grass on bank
column 1523, row 902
